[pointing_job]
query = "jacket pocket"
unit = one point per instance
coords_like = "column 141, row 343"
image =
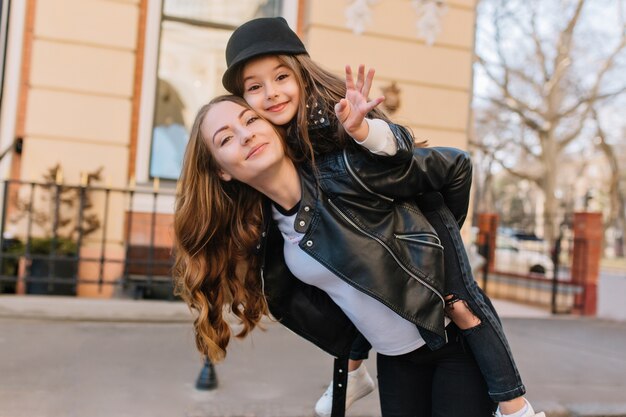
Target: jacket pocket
column 423, row 252
column 428, row 239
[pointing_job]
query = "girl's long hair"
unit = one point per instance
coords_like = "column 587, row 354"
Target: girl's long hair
column 322, row 88
column 217, row 226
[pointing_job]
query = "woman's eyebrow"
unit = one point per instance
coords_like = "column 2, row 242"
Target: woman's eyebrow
column 226, row 126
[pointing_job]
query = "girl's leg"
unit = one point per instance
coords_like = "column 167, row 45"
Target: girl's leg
column 360, row 348
column 353, row 365
column 473, row 313
column 360, row 383
column 359, row 351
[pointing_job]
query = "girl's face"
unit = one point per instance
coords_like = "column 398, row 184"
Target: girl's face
column 271, row 89
column 244, row 145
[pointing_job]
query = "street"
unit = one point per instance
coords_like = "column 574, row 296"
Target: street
column 83, row 368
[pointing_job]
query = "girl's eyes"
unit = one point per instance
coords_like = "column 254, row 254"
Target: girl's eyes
column 255, row 87
column 251, row 120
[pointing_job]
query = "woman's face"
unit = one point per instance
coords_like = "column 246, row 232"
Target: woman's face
column 271, row 89
column 245, row 146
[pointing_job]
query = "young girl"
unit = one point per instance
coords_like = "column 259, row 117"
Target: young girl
column 269, row 67
column 327, row 249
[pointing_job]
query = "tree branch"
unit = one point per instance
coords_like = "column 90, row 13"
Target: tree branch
column 608, row 63
column 564, row 45
column 511, row 105
column 518, row 174
column 590, row 100
column 538, row 48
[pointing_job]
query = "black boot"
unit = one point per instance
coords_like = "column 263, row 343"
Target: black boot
column 207, row 379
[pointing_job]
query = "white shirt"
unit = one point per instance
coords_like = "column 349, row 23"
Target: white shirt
column 388, row 333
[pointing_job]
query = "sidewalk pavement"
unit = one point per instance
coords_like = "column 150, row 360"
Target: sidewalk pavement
column 127, row 310
column 573, row 367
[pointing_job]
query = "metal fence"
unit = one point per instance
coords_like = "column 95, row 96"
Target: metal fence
column 60, row 239
column 531, row 271
column 56, row 239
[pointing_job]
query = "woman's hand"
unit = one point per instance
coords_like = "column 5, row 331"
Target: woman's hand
column 352, row 109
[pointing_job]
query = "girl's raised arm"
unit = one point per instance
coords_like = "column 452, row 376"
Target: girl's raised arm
column 352, row 109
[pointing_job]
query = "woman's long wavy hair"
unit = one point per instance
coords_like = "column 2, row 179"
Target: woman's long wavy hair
column 326, row 89
column 217, row 226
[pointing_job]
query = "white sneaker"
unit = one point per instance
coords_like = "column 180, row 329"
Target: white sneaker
column 529, row 412
column 360, row 384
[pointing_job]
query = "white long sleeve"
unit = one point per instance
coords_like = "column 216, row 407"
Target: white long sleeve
column 380, row 139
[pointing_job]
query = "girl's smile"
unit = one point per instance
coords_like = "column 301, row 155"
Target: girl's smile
column 271, row 89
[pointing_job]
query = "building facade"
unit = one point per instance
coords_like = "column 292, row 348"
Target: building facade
column 113, row 85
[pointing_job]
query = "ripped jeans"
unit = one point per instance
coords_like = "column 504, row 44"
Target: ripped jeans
column 486, row 340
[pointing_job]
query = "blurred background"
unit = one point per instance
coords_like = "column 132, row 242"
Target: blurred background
column 97, row 97
column 96, row 101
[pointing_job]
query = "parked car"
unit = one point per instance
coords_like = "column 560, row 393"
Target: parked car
column 515, row 255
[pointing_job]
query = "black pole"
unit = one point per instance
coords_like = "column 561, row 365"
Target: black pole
column 484, row 248
column 207, row 379
column 556, row 254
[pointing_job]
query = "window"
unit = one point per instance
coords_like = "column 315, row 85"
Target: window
column 193, row 36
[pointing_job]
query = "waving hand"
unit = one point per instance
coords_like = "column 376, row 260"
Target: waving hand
column 352, row 109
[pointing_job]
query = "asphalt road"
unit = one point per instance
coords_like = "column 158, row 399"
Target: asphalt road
column 571, row 366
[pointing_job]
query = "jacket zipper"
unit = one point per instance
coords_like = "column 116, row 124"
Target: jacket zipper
column 412, row 238
column 388, row 249
column 361, row 183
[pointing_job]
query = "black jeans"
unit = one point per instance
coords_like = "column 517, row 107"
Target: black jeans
column 442, row 383
column 360, row 348
column 487, row 341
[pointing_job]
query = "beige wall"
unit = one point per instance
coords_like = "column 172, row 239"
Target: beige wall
column 79, row 97
column 435, row 81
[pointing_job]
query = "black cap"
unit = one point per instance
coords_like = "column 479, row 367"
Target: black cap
column 262, row 36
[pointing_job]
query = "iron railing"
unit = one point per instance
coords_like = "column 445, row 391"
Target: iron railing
column 533, row 273
column 55, row 239
column 51, row 232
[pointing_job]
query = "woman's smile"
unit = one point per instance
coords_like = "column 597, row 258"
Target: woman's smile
column 256, row 150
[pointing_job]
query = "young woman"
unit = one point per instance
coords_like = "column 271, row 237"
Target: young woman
column 327, row 250
column 269, row 66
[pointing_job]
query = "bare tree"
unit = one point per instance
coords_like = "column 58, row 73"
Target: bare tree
column 545, row 70
column 617, row 212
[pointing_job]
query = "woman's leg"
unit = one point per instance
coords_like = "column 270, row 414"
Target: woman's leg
column 405, row 385
column 459, row 389
column 441, row 383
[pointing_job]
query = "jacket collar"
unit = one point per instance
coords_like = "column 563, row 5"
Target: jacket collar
column 308, row 202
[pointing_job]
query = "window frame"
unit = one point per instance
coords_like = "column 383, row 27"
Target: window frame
column 149, row 85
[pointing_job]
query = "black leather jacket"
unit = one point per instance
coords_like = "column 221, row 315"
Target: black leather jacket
column 360, row 219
